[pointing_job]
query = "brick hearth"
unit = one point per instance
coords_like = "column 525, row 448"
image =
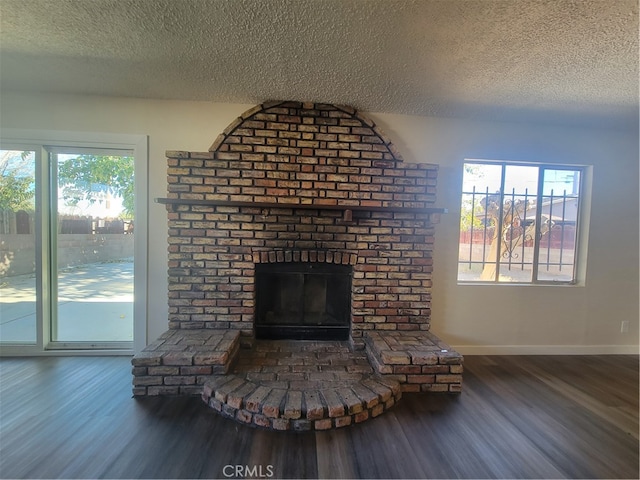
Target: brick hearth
column 296, row 385
column 295, row 182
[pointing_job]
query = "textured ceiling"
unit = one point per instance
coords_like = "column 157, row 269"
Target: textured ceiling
column 569, row 61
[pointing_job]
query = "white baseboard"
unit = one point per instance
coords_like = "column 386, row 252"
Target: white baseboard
column 547, row 349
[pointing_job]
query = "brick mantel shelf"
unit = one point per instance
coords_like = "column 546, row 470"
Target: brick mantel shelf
column 346, row 209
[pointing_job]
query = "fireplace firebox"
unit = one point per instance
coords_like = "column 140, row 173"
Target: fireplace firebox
column 303, row 301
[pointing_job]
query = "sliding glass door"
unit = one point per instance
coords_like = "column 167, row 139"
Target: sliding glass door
column 18, row 247
column 68, row 244
column 92, row 247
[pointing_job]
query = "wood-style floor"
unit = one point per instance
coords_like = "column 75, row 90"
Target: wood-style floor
column 518, row 417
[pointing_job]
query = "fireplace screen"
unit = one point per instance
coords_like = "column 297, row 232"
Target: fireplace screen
column 303, row 301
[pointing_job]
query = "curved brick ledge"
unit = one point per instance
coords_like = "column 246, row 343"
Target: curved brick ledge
column 268, row 405
column 301, row 385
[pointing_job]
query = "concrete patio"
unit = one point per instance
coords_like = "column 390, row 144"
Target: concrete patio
column 95, row 303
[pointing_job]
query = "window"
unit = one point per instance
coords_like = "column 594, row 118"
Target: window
column 519, row 223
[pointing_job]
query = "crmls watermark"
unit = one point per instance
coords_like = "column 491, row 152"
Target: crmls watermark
column 248, row 471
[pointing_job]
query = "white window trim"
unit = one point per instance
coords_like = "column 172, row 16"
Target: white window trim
column 42, row 139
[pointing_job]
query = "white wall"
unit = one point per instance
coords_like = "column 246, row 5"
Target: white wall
column 475, row 319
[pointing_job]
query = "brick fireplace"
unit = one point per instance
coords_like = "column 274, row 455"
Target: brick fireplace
column 298, row 188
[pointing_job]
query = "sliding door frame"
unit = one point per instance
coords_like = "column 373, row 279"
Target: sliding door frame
column 43, row 142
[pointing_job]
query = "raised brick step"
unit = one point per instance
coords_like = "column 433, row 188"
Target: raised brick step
column 180, row 361
column 286, row 385
column 419, row 360
column 263, row 404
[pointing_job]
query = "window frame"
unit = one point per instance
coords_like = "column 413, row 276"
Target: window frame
column 578, row 276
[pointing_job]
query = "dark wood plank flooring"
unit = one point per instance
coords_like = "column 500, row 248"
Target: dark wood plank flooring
column 518, row 417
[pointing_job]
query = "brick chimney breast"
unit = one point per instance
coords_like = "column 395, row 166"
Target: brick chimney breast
column 303, row 182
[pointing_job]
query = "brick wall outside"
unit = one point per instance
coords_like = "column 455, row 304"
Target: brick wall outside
column 294, row 154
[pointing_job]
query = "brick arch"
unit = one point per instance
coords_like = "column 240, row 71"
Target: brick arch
column 333, row 127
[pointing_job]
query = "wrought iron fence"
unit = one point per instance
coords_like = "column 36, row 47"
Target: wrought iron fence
column 506, row 232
